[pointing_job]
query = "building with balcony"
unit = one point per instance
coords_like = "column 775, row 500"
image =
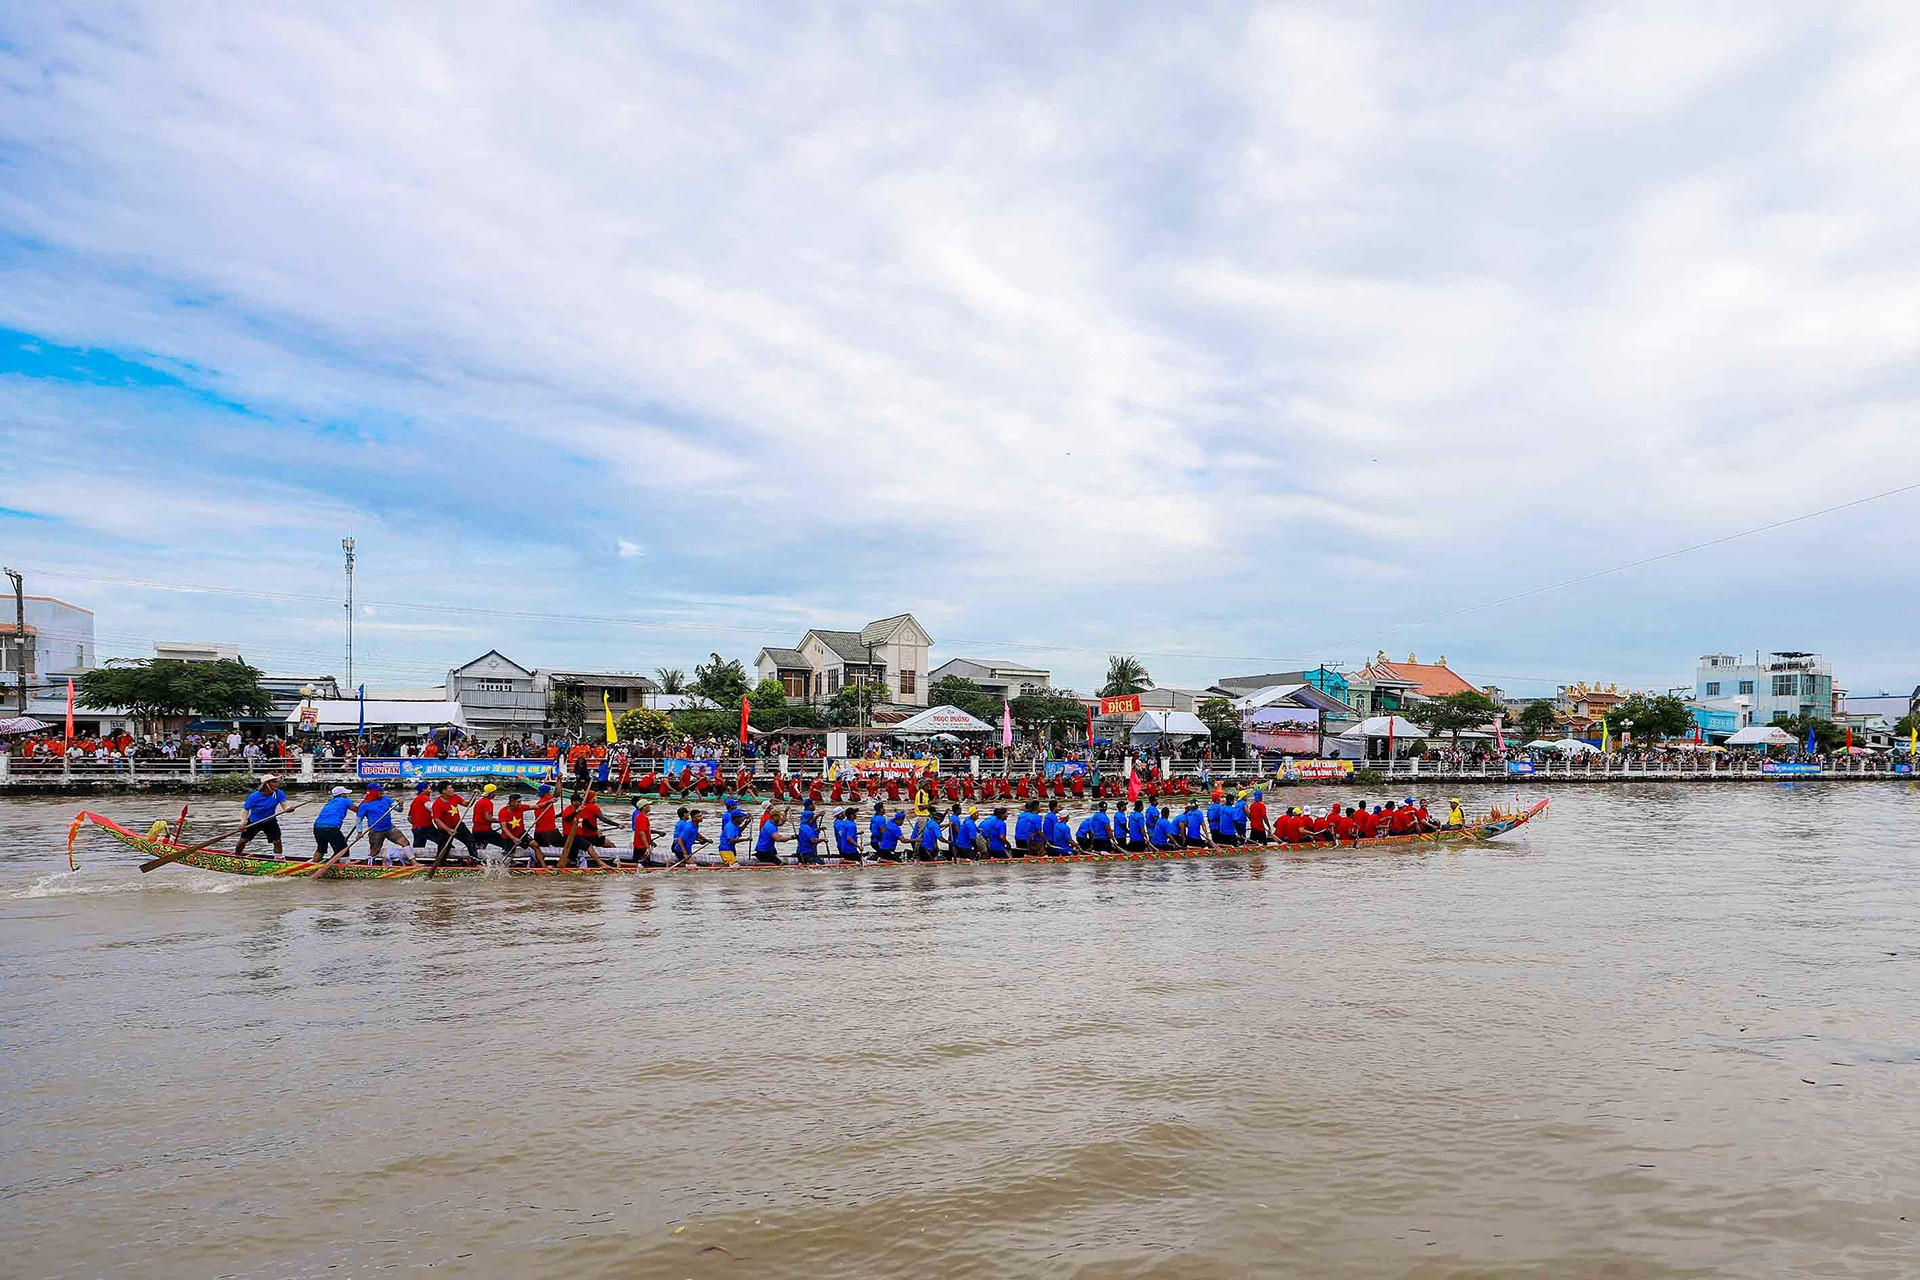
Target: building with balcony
column 890, row 651
column 599, row 692
column 1771, row 688
column 497, row 696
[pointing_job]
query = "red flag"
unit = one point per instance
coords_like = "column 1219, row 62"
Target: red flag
column 1389, row 737
column 1089, row 728
column 746, row 709
column 1133, row 782
column 1849, row 739
column 69, row 709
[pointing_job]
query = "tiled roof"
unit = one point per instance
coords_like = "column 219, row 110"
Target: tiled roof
column 880, row 631
column 849, row 645
column 1431, row 679
column 787, row 659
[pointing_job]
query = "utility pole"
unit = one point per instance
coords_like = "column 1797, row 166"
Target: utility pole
column 346, row 545
column 19, row 636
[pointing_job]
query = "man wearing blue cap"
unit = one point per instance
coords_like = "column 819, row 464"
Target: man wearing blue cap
column 732, row 823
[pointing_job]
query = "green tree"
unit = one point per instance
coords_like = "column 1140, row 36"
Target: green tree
column 707, row 722
column 566, row 709
column 958, row 691
column 1537, row 720
column 1452, row 712
column 154, row 688
column 1048, row 715
column 1223, row 723
column 849, row 708
column 1827, row 736
column 1651, row 720
column 643, row 723
column 722, row 681
column 1125, row 675
column 1904, row 726
column 670, row 679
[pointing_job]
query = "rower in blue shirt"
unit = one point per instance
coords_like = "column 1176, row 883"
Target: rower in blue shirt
column 1161, row 837
column 732, row 823
column 806, row 840
column 994, row 831
column 1059, row 833
column 1136, row 828
column 965, row 836
column 846, row 836
column 328, row 838
column 876, row 826
column 769, row 836
column 1235, row 820
column 682, row 837
column 886, row 840
column 1028, row 829
column 376, row 813
column 1216, row 815
column 1153, row 814
column 927, row 835
column 1196, row 826
column 263, row 806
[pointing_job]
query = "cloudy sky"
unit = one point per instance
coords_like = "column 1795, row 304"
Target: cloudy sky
column 1238, row 337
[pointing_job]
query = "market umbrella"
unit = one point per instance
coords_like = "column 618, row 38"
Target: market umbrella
column 21, row 724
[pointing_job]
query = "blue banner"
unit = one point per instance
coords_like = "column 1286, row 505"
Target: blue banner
column 674, row 768
column 481, row 767
column 1064, row 769
column 1519, row 767
column 1903, row 768
column 1795, row 767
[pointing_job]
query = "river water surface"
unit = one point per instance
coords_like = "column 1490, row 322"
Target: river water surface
column 1665, row 1031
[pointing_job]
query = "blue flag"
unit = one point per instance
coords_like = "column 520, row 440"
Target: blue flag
column 1809, row 739
column 363, row 712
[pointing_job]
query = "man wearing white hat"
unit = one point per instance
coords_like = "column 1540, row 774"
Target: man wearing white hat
column 329, row 837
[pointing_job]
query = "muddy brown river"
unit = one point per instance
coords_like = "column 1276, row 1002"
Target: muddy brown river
column 1665, row 1031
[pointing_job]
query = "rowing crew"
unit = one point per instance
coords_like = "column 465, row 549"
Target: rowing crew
column 963, row 833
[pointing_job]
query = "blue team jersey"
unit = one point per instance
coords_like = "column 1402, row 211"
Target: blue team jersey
column 1162, row 834
column 807, row 839
column 377, row 813
column 1196, row 824
column 965, row 832
column 334, row 812
column 1137, row 826
column 260, row 805
column 846, row 836
column 763, row 843
column 1060, row 836
column 929, row 835
column 996, row 833
column 1101, row 827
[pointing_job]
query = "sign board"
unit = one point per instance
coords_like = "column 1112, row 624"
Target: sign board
column 1519, row 768
column 1796, row 768
column 674, row 768
column 1315, row 770
column 309, row 719
column 418, row 767
column 1063, row 769
column 1128, row 705
column 1903, row 768
column 883, row 766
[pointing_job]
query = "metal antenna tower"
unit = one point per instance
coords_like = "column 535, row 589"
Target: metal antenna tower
column 346, row 545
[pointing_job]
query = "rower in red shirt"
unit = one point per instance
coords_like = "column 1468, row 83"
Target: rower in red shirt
column 1257, row 818
column 513, row 822
column 546, row 831
column 420, row 815
column 1366, row 824
column 642, row 824
column 484, row 834
column 1341, row 825
column 1399, row 821
column 447, row 826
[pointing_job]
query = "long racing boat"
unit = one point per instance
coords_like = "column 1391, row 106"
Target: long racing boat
column 172, row 851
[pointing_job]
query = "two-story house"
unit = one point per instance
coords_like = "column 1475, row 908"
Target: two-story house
column 890, row 651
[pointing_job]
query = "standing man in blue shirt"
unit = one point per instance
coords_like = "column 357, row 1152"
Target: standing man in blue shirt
column 263, row 806
column 806, row 839
column 1137, row 828
column 964, row 839
column 328, row 838
column 927, row 835
column 886, row 839
column 732, row 822
column 376, row 811
column 877, row 826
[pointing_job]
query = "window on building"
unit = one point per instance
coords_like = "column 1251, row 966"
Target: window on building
column 906, row 679
column 833, row 681
column 1806, row 709
column 793, row 684
column 1713, row 688
column 1786, row 686
column 617, row 695
column 1781, row 717
column 1746, row 687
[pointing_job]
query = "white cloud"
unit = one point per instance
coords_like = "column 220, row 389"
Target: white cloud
column 1083, row 307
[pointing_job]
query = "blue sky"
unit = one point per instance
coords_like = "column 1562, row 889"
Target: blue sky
column 1235, row 336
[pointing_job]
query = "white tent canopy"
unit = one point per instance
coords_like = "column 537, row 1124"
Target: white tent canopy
column 1385, row 727
column 336, row 714
column 1573, row 747
column 1540, row 744
column 1170, row 724
column 941, row 720
column 1761, row 735
column 1266, row 696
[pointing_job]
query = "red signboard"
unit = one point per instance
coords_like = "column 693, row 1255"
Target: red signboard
column 1129, row 705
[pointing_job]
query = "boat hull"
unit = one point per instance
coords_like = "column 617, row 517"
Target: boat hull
column 228, row 864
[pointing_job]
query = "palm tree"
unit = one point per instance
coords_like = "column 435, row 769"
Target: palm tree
column 1125, row 675
column 670, row 679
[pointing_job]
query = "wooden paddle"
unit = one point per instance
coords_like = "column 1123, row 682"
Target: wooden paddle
column 153, row 864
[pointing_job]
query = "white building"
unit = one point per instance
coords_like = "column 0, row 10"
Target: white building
column 1771, row 688
column 497, row 696
column 59, row 639
column 996, row 676
column 892, row 651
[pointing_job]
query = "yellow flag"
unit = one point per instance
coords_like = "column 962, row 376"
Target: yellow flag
column 1606, row 738
column 613, row 734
